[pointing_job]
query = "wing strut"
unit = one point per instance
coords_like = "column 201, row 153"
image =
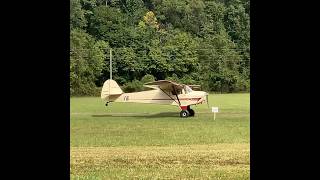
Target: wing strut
column 170, row 96
column 176, row 95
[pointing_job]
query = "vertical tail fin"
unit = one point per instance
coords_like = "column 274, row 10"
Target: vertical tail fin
column 110, row 87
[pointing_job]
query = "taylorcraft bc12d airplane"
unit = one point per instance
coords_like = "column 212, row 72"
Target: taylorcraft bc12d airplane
column 162, row 92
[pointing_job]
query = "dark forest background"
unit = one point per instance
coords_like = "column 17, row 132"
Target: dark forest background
column 204, row 42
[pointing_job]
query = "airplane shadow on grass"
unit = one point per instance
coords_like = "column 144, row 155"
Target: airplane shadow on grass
column 140, row 115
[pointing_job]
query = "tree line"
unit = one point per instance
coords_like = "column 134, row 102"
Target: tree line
column 205, row 42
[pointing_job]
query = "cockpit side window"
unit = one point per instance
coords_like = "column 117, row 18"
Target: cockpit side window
column 187, row 89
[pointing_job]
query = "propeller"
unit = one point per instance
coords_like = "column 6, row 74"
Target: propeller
column 207, row 99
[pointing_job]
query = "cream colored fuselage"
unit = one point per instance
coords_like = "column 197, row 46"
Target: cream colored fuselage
column 157, row 96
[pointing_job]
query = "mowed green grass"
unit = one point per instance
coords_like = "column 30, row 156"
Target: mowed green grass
column 146, row 141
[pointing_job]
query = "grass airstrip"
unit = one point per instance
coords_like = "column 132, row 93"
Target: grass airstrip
column 147, row 141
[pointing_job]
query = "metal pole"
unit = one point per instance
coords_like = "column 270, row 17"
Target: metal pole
column 110, row 63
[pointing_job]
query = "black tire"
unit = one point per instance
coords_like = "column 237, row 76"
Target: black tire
column 191, row 111
column 184, row 114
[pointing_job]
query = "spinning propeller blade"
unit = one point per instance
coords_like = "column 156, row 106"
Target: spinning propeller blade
column 207, row 99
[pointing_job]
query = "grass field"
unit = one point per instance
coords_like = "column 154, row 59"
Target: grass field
column 145, row 141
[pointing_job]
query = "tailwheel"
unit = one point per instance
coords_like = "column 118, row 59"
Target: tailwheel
column 184, row 114
column 191, row 111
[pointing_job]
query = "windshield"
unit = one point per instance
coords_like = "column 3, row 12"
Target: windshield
column 188, row 89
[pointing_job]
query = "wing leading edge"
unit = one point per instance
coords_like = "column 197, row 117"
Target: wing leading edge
column 166, row 85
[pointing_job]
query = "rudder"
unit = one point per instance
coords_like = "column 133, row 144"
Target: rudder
column 110, row 87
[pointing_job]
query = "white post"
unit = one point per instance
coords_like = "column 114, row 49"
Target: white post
column 214, row 110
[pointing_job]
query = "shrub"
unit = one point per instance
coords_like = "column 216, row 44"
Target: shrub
column 174, row 78
column 85, row 89
column 133, row 86
column 147, row 78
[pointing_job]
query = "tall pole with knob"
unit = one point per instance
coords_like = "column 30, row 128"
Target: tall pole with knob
column 110, row 63
column 110, row 75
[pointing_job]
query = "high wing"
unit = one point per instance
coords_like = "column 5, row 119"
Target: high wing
column 166, row 85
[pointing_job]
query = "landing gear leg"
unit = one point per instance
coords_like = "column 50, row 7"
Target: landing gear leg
column 191, row 111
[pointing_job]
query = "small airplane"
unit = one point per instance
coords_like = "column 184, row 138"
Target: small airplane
column 161, row 92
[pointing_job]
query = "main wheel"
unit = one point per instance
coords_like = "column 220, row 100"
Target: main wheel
column 191, row 111
column 184, row 113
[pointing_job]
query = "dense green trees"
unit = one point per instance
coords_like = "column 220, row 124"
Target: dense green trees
column 87, row 57
column 203, row 42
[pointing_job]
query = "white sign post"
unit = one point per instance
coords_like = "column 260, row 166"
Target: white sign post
column 214, row 110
